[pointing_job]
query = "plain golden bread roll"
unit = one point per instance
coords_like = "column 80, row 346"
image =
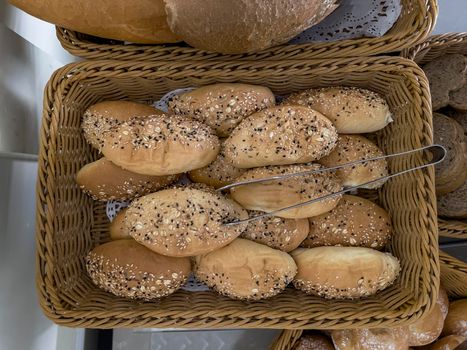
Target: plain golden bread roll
column 279, row 136
column 161, row 145
column 184, row 221
column 352, row 110
column 127, row 269
column 138, row 21
column 117, row 228
column 371, row 339
column 428, row 328
column 277, row 194
column 217, row 174
column 222, row 106
column 344, row 272
column 276, row 232
column 245, row 25
column 105, row 181
column 451, row 342
column 246, row 270
column 105, row 116
column 351, row 148
column 355, row 221
column 313, row 342
column 456, row 321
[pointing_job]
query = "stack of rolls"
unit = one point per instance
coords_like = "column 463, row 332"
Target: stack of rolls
column 226, row 133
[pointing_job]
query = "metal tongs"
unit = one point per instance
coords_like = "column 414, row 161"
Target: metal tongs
column 438, row 153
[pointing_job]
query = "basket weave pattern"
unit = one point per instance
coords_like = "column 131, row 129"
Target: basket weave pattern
column 69, row 223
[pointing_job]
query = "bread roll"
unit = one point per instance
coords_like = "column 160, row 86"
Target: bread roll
column 103, row 117
column 352, row 110
column 105, row 181
column 274, row 195
column 458, row 98
column 244, row 25
column 246, row 270
column 222, row 106
column 351, row 148
column 280, row 136
column 313, row 342
column 277, row 233
column 454, row 205
column 344, row 272
column 451, row 342
column 127, row 269
column 161, row 145
column 428, row 328
column 117, row 227
column 371, row 339
column 138, row 21
column 218, row 174
column 456, row 321
column 184, row 221
column 355, row 221
column 458, row 116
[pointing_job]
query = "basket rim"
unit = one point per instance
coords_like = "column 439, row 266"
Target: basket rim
column 76, row 71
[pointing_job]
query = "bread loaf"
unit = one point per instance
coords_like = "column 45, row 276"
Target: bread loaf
column 355, row 221
column 279, row 136
column 351, row 148
column 127, row 269
column 246, row 270
column 460, row 117
column 117, row 227
column 105, row 181
column 244, row 25
column 456, row 321
column 276, row 232
column 274, row 195
column 451, row 342
column 184, row 221
column 454, row 204
column 371, row 339
column 313, row 342
column 352, row 110
column 343, row 272
column 458, row 98
column 222, row 106
column 138, row 21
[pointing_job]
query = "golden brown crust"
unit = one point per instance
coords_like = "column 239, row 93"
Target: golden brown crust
column 280, row 136
column 184, row 221
column 451, row 342
column 371, row 339
column 127, row 269
column 273, row 195
column 456, row 321
column 246, row 270
column 355, row 221
column 117, row 228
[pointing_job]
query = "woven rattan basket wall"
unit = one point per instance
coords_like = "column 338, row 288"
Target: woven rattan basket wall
column 413, row 26
column 69, row 223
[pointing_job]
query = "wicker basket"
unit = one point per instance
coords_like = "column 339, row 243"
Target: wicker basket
column 69, row 223
column 453, row 275
column 413, row 26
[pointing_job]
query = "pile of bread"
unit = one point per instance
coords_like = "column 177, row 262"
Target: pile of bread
column 443, row 328
column 448, row 84
column 216, row 25
column 226, row 133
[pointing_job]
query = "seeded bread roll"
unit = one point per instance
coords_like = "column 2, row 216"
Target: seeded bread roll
column 246, row 270
column 184, row 221
column 456, row 321
column 117, row 227
column 222, row 106
column 454, row 204
column 219, row 173
column 105, row 181
column 428, row 328
column 103, row 117
column 127, row 269
column 371, row 339
column 355, row 221
column 352, row 148
column 161, row 145
column 458, row 99
column 279, row 136
column 352, row 110
column 277, row 233
column 313, row 342
column 451, row 342
column 274, row 195
column 344, row 272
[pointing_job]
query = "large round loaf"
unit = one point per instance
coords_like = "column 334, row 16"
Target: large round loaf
column 456, row 321
column 184, row 221
column 222, row 106
column 352, row 110
column 371, row 339
column 246, row 270
column 355, row 221
column 127, row 269
column 244, row 25
column 343, row 272
column 279, row 136
column 274, row 195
